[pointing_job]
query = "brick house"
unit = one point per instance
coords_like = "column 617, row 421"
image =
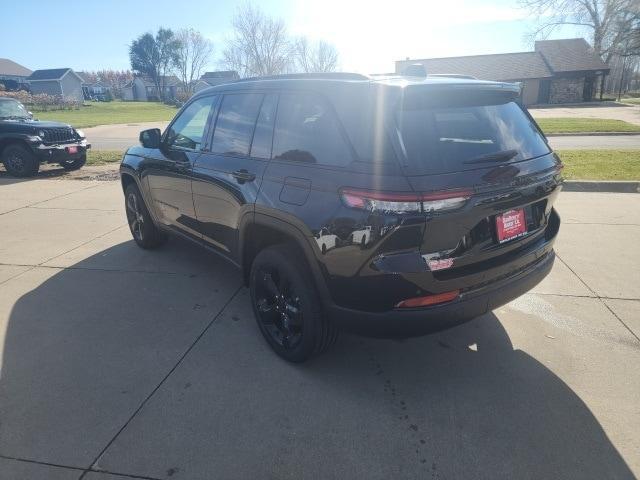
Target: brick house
column 557, row 71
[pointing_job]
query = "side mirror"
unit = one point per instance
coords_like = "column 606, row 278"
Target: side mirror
column 150, row 138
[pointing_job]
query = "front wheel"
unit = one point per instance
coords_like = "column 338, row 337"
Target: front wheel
column 286, row 305
column 76, row 164
column 144, row 231
column 20, row 161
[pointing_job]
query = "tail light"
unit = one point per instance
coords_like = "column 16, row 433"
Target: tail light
column 405, row 202
column 429, row 300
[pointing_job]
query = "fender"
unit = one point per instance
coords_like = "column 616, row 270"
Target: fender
column 292, row 227
column 22, row 138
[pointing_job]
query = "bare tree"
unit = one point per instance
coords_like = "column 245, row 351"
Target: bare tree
column 259, row 46
column 193, row 55
column 609, row 21
column 318, row 58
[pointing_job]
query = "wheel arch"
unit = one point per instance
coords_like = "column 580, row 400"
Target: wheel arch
column 6, row 141
column 263, row 231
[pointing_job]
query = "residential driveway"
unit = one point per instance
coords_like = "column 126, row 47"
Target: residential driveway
column 147, row 364
column 118, row 136
column 595, row 142
column 627, row 113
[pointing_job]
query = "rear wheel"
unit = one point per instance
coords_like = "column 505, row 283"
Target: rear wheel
column 144, row 231
column 20, row 161
column 286, row 305
column 76, row 164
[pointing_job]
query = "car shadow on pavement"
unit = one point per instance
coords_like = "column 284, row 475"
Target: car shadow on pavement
column 89, row 344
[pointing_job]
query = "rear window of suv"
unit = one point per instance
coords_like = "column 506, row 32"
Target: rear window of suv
column 445, row 139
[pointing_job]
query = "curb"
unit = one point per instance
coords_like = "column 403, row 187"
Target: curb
column 601, row 186
column 593, row 134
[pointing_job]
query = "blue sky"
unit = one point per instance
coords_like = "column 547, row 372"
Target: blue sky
column 369, row 35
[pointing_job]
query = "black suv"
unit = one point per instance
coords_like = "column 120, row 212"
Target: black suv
column 25, row 142
column 389, row 207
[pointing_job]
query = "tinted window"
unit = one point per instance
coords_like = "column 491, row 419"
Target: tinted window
column 307, row 131
column 263, row 136
column 448, row 139
column 188, row 129
column 236, row 120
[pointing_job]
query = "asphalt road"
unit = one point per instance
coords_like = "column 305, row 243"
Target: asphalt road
column 605, row 142
column 148, row 364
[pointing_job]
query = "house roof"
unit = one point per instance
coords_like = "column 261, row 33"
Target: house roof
column 83, row 76
column 9, row 67
column 504, row 66
column 222, row 74
column 169, row 81
column 570, row 55
column 550, row 57
column 49, row 74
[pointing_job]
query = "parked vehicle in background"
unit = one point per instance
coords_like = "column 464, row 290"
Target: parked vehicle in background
column 25, row 142
column 390, row 207
column 326, row 240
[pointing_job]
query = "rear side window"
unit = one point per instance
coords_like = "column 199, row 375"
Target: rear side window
column 307, row 131
column 449, row 139
column 236, row 120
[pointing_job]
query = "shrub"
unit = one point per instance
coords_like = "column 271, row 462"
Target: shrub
column 42, row 101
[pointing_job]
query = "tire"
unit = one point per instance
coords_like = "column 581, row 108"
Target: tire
column 20, row 161
column 144, row 231
column 76, row 164
column 287, row 306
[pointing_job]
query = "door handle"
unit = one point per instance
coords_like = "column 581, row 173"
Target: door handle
column 243, row 175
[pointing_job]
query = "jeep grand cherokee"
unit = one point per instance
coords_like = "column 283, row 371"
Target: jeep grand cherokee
column 389, row 207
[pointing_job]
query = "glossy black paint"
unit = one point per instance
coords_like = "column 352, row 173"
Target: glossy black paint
column 363, row 262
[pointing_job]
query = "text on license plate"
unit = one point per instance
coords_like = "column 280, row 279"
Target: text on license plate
column 510, row 225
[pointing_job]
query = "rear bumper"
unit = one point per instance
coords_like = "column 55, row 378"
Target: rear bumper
column 58, row 153
column 470, row 304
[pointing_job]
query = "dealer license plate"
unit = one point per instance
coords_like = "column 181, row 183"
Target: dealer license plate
column 510, row 225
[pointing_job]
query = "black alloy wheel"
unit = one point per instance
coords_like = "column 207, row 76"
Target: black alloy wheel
column 144, row 231
column 278, row 307
column 19, row 161
column 287, row 306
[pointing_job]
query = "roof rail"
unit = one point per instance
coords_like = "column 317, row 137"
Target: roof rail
column 319, row 76
column 452, row 75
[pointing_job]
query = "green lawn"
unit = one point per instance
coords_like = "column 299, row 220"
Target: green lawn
column 584, row 125
column 601, row 164
column 102, row 157
column 105, row 113
column 633, row 100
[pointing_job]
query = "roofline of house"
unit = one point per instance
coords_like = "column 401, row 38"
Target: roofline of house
column 466, row 56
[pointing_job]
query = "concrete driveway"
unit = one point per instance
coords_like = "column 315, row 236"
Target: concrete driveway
column 122, row 363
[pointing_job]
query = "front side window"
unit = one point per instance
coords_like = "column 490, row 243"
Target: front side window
column 235, row 124
column 187, row 131
column 307, row 131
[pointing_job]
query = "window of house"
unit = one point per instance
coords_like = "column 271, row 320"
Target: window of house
column 307, row 131
column 235, row 124
column 188, row 129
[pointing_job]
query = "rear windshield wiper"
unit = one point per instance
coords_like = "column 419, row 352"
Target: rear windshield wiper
column 501, row 156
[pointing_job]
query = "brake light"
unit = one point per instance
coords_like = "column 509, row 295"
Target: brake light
column 428, row 300
column 405, row 202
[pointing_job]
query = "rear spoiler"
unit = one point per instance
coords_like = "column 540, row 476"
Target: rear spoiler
column 459, row 93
